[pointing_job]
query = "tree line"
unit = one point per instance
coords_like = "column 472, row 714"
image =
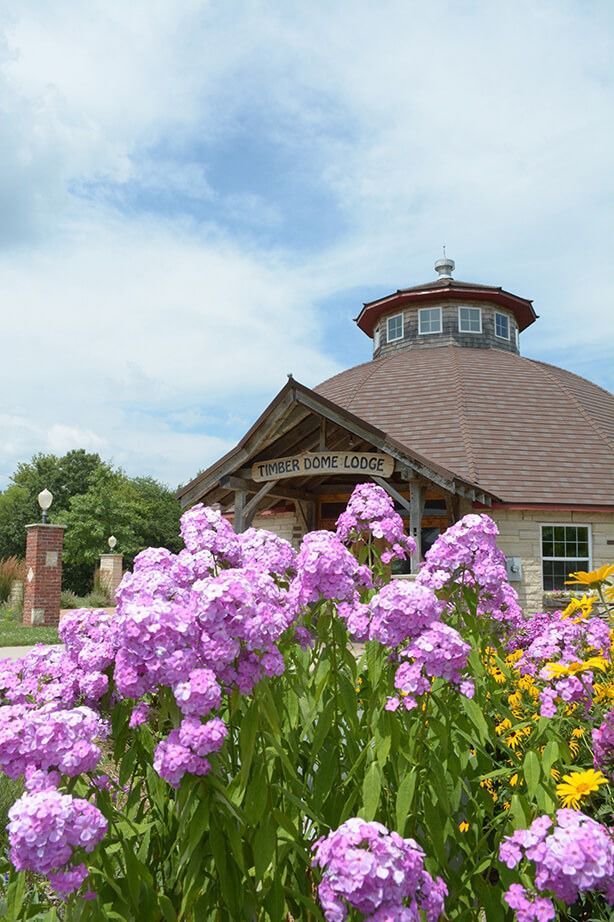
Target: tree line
column 94, row 500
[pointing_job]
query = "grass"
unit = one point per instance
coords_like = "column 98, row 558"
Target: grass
column 21, row 635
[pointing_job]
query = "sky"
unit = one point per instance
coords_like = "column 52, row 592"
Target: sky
column 196, row 198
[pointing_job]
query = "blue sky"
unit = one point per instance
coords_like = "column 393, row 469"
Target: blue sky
column 196, row 197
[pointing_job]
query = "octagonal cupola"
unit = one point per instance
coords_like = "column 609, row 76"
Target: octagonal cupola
column 446, row 312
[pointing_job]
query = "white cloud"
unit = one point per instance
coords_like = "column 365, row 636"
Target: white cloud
column 157, row 338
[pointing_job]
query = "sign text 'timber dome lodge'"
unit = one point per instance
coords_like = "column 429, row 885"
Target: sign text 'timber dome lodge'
column 337, row 462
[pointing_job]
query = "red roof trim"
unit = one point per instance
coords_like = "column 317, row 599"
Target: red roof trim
column 373, row 310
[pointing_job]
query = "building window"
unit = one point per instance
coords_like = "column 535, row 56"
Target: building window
column 429, row 320
column 502, row 326
column 470, row 320
column 394, row 328
column 565, row 549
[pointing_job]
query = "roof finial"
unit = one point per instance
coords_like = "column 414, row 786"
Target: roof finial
column 444, row 267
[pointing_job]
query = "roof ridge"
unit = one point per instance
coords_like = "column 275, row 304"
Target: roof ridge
column 464, row 425
column 365, row 379
column 547, row 366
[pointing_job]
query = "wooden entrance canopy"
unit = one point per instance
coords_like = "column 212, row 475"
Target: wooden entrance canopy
column 300, row 425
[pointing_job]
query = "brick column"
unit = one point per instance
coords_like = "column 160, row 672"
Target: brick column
column 41, row 603
column 111, row 571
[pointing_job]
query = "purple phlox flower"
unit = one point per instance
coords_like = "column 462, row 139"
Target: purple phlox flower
column 528, row 906
column 326, row 570
column 467, row 554
column 200, row 694
column 374, row 871
column 45, row 675
column 206, row 529
column 357, row 616
column 49, row 739
column 577, row 855
column 185, row 748
column 603, row 745
column 46, row 827
column 370, row 513
column 263, row 550
column 401, row 611
column 139, row 715
column 66, row 882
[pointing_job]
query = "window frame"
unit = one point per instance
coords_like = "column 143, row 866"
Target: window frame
column 422, row 332
column 465, row 307
column 543, row 525
column 509, row 327
column 395, row 339
column 377, row 338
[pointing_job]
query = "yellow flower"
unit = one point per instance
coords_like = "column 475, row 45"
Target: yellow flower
column 594, row 578
column 557, row 670
column 574, row 788
column 513, row 657
column 514, row 779
column 463, row 827
column 514, row 739
column 555, row 773
column 506, row 724
column 506, row 804
column 583, row 606
column 604, row 691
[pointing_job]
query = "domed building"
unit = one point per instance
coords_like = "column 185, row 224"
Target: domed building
column 449, row 418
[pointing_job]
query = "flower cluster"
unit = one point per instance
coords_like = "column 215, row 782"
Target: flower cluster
column 186, row 747
column 439, row 652
column 577, row 855
column 603, row 745
column 45, row 831
column 401, row 610
column 370, row 514
column 326, row 570
column 206, row 529
column 563, row 655
column 467, row 555
column 48, row 739
column 262, row 550
column 377, row 872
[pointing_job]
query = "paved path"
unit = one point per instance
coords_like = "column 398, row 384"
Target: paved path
column 16, row 652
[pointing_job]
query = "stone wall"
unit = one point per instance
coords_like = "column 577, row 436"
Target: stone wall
column 284, row 524
column 520, row 536
column 450, row 334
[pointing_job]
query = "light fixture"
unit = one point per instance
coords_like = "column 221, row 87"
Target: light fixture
column 112, row 542
column 45, row 498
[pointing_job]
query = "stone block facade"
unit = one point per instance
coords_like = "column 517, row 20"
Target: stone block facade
column 520, row 536
column 284, row 524
column 111, row 572
column 41, row 604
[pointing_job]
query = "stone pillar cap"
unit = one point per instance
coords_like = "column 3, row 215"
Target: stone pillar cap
column 45, row 525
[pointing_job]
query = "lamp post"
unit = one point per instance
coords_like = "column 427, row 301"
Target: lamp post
column 45, row 498
column 112, row 542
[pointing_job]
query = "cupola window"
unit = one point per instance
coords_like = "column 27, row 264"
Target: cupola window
column 429, row 320
column 470, row 320
column 394, row 328
column 502, row 326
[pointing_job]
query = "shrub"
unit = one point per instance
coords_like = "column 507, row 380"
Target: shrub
column 11, row 569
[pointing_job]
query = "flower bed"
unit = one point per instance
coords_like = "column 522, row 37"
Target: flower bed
column 261, row 734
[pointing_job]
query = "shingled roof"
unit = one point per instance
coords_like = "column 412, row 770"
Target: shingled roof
column 529, row 432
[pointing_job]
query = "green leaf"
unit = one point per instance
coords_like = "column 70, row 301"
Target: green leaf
column 475, row 715
column 405, row 796
column 550, row 755
column 166, row 908
column 264, row 846
column 520, row 812
column 256, row 796
column 371, row 790
column 532, row 772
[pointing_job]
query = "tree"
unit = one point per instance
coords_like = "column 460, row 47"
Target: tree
column 93, row 500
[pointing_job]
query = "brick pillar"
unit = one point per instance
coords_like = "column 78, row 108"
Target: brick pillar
column 111, row 571
column 41, row 603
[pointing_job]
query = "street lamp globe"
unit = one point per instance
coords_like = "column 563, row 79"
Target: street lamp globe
column 112, row 542
column 45, row 498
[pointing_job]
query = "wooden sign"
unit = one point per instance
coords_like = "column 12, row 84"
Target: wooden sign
column 314, row 464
